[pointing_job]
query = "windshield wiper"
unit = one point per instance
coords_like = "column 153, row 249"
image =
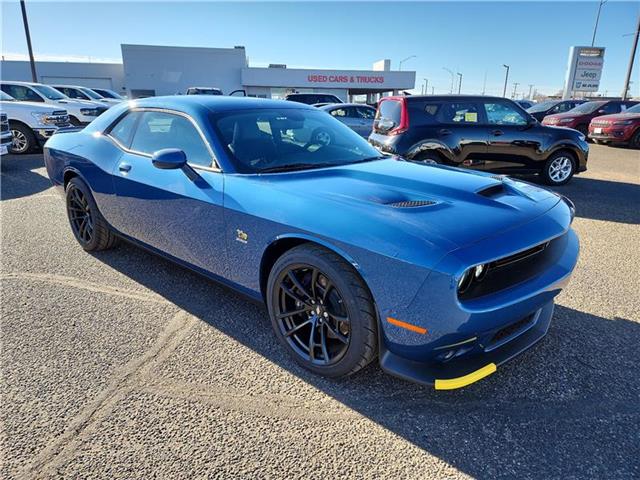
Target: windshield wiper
column 296, row 166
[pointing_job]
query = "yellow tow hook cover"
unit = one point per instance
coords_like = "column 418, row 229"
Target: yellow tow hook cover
column 453, row 383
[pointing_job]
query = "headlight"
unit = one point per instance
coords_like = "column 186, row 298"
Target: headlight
column 566, row 120
column 624, row 122
column 89, row 112
column 471, row 275
column 42, row 118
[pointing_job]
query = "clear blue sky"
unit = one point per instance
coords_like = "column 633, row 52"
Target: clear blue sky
column 473, row 38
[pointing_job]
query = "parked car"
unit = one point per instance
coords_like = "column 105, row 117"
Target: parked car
column 312, row 98
column 356, row 116
column 106, row 93
column 81, row 112
column 442, row 274
column 31, row 124
column 213, row 91
column 5, row 134
column 580, row 117
column 618, row 128
column 483, row 133
column 525, row 103
column 542, row 109
column 84, row 93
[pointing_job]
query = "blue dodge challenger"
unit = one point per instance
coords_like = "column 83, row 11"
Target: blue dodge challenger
column 442, row 274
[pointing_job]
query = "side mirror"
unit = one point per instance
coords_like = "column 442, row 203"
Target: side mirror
column 169, row 159
column 602, row 112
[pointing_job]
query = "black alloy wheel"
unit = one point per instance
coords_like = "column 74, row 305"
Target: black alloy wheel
column 321, row 311
column 80, row 215
column 91, row 230
column 311, row 315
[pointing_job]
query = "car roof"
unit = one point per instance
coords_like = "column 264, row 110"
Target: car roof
column 314, row 93
column 18, row 82
column 68, row 86
column 342, row 105
column 215, row 103
column 449, row 97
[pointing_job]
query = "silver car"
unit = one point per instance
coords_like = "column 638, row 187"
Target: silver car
column 356, row 116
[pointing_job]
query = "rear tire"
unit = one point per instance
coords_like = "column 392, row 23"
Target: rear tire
column 326, row 302
column 87, row 224
column 24, row 141
column 429, row 156
column 559, row 168
column 635, row 139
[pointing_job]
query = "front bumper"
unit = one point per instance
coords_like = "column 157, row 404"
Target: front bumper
column 454, row 337
column 612, row 134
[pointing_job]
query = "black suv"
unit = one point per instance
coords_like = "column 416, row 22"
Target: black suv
column 313, row 98
column 551, row 107
column 484, row 133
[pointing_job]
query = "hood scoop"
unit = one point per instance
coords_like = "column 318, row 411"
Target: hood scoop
column 492, row 191
column 411, row 203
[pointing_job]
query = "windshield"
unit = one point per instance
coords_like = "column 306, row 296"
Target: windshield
column 48, row 92
column 6, row 98
column 588, row 107
column 90, row 93
column 541, row 107
column 289, row 139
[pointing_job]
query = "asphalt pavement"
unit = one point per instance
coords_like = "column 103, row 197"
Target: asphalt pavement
column 122, row 365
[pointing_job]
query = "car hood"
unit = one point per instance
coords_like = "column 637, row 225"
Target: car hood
column 34, row 107
column 447, row 206
column 75, row 103
column 618, row 116
column 558, row 116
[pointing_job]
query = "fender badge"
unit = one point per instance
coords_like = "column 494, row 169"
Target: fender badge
column 241, row 236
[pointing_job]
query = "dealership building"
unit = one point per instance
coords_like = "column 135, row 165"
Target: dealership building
column 148, row 70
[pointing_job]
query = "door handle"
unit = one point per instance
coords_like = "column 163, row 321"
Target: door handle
column 444, row 131
column 497, row 133
column 124, row 167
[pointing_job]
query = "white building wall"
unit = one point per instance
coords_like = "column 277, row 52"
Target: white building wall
column 100, row 75
column 171, row 70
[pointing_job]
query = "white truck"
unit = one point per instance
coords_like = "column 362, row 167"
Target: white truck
column 31, row 124
column 5, row 134
column 81, row 112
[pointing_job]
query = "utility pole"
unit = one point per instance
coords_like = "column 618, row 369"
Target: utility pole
column 450, row 73
column 459, row 83
column 433, row 90
column 595, row 27
column 34, row 77
column 515, row 87
column 506, row 79
column 625, row 90
column 426, row 86
column 484, row 83
column 530, row 90
column 404, row 60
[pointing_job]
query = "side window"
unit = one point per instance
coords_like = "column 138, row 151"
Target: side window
column 611, row 107
column 158, row 130
column 367, row 113
column 73, row 93
column 123, row 130
column 504, row 114
column 563, row 107
column 22, row 93
column 461, row 113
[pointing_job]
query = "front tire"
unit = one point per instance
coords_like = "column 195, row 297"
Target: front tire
column 87, row 224
column 559, row 168
column 24, row 141
column 322, row 312
column 635, row 139
column 428, row 157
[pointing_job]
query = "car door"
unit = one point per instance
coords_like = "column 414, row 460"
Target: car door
column 166, row 209
column 513, row 140
column 364, row 118
column 461, row 127
column 346, row 115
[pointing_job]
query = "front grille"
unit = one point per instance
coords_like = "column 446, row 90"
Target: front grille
column 512, row 270
column 411, row 203
column 59, row 113
column 510, row 332
column 600, row 123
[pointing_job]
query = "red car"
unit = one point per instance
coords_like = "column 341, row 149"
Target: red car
column 619, row 128
column 579, row 117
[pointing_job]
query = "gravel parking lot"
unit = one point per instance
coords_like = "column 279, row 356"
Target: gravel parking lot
column 122, row 365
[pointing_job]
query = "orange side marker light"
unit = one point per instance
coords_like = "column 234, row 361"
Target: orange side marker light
column 408, row 326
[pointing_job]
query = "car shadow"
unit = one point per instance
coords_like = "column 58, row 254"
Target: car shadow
column 567, row 408
column 599, row 199
column 18, row 178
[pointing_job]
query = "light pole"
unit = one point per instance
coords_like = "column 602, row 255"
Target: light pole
column 459, row 82
column 426, row 86
column 530, row 90
column 595, row 27
column 34, row 77
column 452, row 75
column 404, row 60
column 625, row 90
column 506, row 79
